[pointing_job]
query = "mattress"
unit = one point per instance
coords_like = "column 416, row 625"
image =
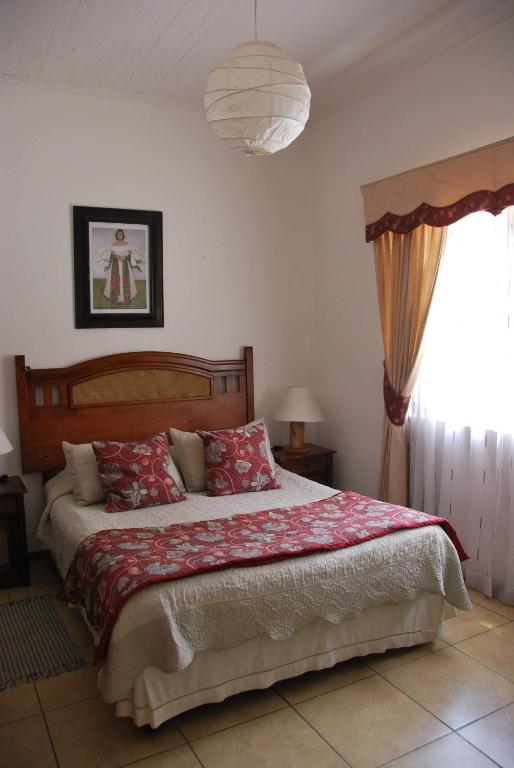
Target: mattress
column 167, row 625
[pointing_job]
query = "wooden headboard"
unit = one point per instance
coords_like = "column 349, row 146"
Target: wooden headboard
column 127, row 397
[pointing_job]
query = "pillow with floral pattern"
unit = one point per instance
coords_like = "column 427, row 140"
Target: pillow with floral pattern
column 136, row 475
column 236, row 461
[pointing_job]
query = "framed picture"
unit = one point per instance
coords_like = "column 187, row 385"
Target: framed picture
column 118, row 268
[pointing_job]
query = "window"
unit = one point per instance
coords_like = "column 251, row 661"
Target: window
column 462, row 414
column 467, row 372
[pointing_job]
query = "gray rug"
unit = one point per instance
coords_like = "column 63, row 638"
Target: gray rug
column 33, row 642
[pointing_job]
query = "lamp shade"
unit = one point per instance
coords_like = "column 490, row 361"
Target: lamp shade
column 297, row 404
column 257, row 99
column 5, row 445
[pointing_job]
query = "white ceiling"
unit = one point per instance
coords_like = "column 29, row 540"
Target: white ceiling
column 165, row 48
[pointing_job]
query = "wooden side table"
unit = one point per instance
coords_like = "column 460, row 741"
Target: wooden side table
column 14, row 561
column 316, row 463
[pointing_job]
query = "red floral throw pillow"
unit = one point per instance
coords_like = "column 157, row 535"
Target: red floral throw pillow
column 136, row 475
column 236, row 461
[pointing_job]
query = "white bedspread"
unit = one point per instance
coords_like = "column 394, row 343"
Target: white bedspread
column 166, row 624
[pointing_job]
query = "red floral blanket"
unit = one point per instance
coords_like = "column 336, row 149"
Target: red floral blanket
column 110, row 566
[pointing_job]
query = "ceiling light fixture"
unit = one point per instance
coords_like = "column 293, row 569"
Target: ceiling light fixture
column 257, row 98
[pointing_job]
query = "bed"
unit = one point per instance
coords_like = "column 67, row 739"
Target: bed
column 180, row 644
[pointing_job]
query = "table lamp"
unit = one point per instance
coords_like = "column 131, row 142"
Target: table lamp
column 297, row 405
column 5, row 447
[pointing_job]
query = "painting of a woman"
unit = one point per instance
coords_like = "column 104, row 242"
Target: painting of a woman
column 120, row 284
column 118, row 267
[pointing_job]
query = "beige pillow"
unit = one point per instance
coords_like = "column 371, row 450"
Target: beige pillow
column 86, row 482
column 188, row 452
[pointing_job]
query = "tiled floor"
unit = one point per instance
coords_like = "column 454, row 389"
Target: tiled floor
column 447, row 704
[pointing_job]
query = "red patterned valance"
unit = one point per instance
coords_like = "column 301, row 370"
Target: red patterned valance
column 441, row 193
column 396, row 406
column 484, row 200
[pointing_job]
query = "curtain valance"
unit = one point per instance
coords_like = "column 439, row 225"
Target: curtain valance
column 441, row 193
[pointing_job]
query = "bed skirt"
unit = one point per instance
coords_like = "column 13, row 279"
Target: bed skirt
column 258, row 663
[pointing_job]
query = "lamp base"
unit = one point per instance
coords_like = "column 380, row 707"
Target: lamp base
column 296, row 438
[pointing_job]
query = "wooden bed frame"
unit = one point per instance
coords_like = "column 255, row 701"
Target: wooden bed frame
column 132, row 396
column 127, row 397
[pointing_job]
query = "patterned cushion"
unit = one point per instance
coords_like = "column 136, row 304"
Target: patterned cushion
column 136, row 474
column 236, row 461
column 188, row 453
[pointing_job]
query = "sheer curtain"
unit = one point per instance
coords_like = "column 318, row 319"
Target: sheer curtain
column 462, row 411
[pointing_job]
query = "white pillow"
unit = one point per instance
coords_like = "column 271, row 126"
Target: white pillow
column 86, row 481
column 81, row 464
column 188, row 452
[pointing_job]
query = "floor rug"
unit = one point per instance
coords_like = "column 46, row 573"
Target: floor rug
column 33, row 642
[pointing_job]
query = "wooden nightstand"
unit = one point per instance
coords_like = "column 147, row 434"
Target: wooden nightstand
column 14, row 562
column 315, row 463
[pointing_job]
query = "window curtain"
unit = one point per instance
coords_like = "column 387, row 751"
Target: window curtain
column 467, row 476
column 461, row 422
column 406, row 216
column 406, row 271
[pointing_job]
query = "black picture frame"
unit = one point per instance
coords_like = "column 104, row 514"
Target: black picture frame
column 96, row 306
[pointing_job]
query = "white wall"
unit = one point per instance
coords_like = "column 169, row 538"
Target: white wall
column 459, row 102
column 238, row 239
column 242, row 263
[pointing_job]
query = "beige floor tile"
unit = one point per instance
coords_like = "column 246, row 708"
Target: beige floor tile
column 89, row 734
column 180, row 757
column 237, row 709
column 370, row 722
column 25, row 744
column 279, row 740
column 449, row 752
column 492, row 604
column 75, row 627
column 87, row 652
column 62, row 606
column 315, row 683
column 453, row 686
column 68, row 688
column 494, row 735
column 44, row 572
column 469, row 623
column 495, row 649
column 18, row 702
column 394, row 658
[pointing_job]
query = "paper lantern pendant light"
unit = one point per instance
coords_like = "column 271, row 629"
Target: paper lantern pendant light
column 257, row 99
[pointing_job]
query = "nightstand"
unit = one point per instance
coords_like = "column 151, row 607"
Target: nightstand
column 315, row 463
column 14, row 561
